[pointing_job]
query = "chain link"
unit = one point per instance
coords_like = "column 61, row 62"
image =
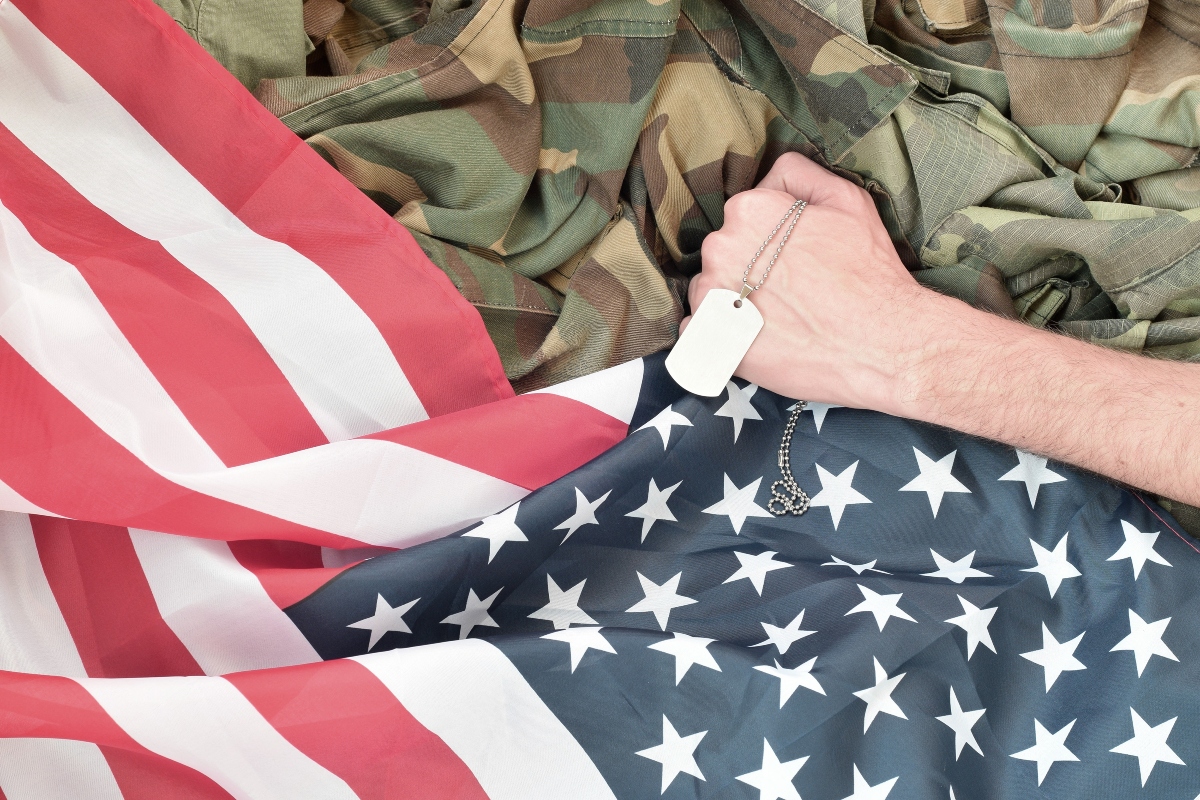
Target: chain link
column 797, row 209
column 792, row 499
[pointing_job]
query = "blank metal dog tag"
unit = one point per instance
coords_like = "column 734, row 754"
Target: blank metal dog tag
column 714, row 343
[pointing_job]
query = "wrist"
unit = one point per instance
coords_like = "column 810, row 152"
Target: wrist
column 939, row 346
column 928, row 329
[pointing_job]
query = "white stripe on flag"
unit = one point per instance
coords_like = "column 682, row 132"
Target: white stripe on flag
column 473, row 697
column 10, row 500
column 372, row 491
column 50, row 315
column 33, row 634
column 55, row 769
column 216, row 607
column 375, row 492
column 335, row 559
column 206, row 724
column 332, row 354
column 614, row 390
column 34, row 638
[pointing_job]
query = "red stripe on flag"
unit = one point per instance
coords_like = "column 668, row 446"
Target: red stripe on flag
column 283, row 190
column 144, row 776
column 187, row 333
column 529, row 440
column 339, row 715
column 288, row 571
column 106, row 601
column 57, row 458
column 49, row 707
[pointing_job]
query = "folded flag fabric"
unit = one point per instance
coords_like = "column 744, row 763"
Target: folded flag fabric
column 273, row 525
column 952, row 618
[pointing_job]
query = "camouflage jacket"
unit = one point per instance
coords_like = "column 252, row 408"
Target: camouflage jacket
column 561, row 160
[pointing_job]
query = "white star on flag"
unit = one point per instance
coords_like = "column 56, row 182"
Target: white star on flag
column 580, row 641
column 1053, row 564
column 1138, row 548
column 1149, row 745
column 755, row 568
column 585, row 513
column 738, row 504
column 475, row 614
column 1055, row 657
column 955, row 571
column 563, row 609
column 792, row 679
column 961, row 722
column 882, row 606
column 687, row 651
column 975, row 622
column 498, row 529
column 1145, row 640
column 785, row 637
column 659, row 600
column 1048, row 748
column 935, row 479
column 1031, row 470
column 774, row 779
column 819, row 410
column 879, row 697
column 385, row 619
column 655, row 508
column 865, row 791
column 836, row 492
column 663, row 422
column 738, row 407
column 859, row 569
column 676, row 754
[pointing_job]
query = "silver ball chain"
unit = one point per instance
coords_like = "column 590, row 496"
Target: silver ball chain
column 792, row 499
column 795, row 501
column 797, row 209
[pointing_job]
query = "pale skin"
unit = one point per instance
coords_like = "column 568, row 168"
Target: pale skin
column 847, row 324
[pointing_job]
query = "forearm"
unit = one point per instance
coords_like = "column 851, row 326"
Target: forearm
column 1129, row 417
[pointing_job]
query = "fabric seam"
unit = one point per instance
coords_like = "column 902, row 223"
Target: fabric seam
column 1146, row 277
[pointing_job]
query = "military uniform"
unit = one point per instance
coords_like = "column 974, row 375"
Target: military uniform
column 562, row 160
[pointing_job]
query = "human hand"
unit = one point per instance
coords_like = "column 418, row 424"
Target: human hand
column 845, row 323
column 844, row 320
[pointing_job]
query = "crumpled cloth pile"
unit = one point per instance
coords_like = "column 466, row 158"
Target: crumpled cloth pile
column 562, row 160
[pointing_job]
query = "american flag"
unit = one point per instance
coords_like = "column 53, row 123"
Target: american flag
column 273, row 525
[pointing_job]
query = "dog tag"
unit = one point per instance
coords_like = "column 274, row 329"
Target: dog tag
column 714, row 343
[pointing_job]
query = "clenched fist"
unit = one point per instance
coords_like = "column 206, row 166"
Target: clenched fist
column 839, row 307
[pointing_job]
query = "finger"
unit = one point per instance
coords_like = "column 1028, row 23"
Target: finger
column 756, row 210
column 696, row 291
column 805, row 180
column 683, row 323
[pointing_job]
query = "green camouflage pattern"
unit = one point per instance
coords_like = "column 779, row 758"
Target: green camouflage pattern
column 562, row 160
column 256, row 40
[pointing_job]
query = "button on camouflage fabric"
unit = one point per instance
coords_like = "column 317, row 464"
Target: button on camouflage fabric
column 562, row 160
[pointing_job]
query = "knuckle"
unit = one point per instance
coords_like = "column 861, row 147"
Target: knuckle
column 790, row 159
column 737, row 205
column 709, row 249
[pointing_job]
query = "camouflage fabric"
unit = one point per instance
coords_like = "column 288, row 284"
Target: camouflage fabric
column 254, row 40
column 562, row 160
